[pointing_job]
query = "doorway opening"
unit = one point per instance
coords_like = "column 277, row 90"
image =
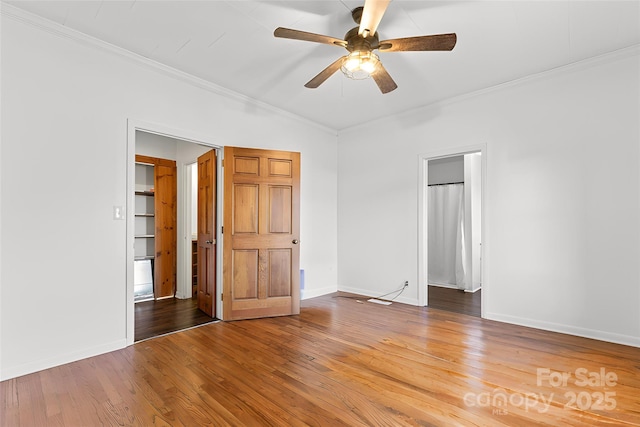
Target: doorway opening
column 162, row 261
column 451, row 230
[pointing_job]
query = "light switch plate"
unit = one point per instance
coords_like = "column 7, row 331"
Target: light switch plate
column 118, row 212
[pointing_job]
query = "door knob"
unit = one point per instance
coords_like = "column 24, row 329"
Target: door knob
column 295, row 241
column 210, row 242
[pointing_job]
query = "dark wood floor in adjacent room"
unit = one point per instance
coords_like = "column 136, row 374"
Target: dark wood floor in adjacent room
column 455, row 300
column 339, row 363
column 153, row 318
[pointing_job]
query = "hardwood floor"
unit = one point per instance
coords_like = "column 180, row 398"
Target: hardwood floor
column 455, row 300
column 340, row 363
column 153, row 318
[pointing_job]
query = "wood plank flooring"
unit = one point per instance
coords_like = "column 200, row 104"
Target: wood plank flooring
column 455, row 300
column 153, row 318
column 340, row 363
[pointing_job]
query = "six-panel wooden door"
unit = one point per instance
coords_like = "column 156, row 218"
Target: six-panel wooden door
column 261, row 259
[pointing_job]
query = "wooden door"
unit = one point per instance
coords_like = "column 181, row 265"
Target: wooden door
column 207, row 233
column 261, row 231
column 165, row 236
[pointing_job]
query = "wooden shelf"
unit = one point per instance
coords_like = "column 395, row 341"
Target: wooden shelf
column 145, row 193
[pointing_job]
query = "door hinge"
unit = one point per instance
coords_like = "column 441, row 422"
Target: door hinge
column 222, row 230
column 221, row 297
column 222, row 162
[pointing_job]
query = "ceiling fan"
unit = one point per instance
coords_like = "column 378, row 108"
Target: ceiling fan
column 361, row 41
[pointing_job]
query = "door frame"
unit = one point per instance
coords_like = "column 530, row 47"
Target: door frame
column 423, row 187
column 134, row 125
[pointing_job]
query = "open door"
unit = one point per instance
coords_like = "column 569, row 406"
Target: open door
column 162, row 227
column 206, row 269
column 261, row 231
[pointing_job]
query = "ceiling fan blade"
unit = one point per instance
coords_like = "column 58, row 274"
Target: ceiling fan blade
column 420, row 43
column 371, row 16
column 383, row 79
column 287, row 33
column 325, row 74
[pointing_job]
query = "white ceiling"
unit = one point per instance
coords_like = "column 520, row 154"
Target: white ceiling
column 231, row 44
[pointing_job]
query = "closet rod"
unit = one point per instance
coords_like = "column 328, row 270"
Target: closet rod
column 447, row 183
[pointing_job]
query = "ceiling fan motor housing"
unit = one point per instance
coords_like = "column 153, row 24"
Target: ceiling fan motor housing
column 356, row 42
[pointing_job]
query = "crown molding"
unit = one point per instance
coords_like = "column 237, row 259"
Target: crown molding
column 61, row 31
column 629, row 51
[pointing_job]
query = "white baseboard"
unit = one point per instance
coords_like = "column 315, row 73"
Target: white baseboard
column 46, row 363
column 444, row 285
column 407, row 300
column 447, row 286
column 567, row 329
column 312, row 293
column 367, row 292
column 179, row 295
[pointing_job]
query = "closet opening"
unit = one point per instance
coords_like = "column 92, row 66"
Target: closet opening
column 169, row 261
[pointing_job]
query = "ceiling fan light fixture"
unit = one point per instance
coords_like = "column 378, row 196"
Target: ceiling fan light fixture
column 361, row 41
column 360, row 64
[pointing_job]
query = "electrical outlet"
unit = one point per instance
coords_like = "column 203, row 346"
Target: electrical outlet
column 406, row 283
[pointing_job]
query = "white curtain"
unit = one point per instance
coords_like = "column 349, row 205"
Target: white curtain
column 447, row 254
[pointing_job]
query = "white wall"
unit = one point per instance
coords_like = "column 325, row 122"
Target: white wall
column 562, row 197
column 65, row 107
column 193, row 200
